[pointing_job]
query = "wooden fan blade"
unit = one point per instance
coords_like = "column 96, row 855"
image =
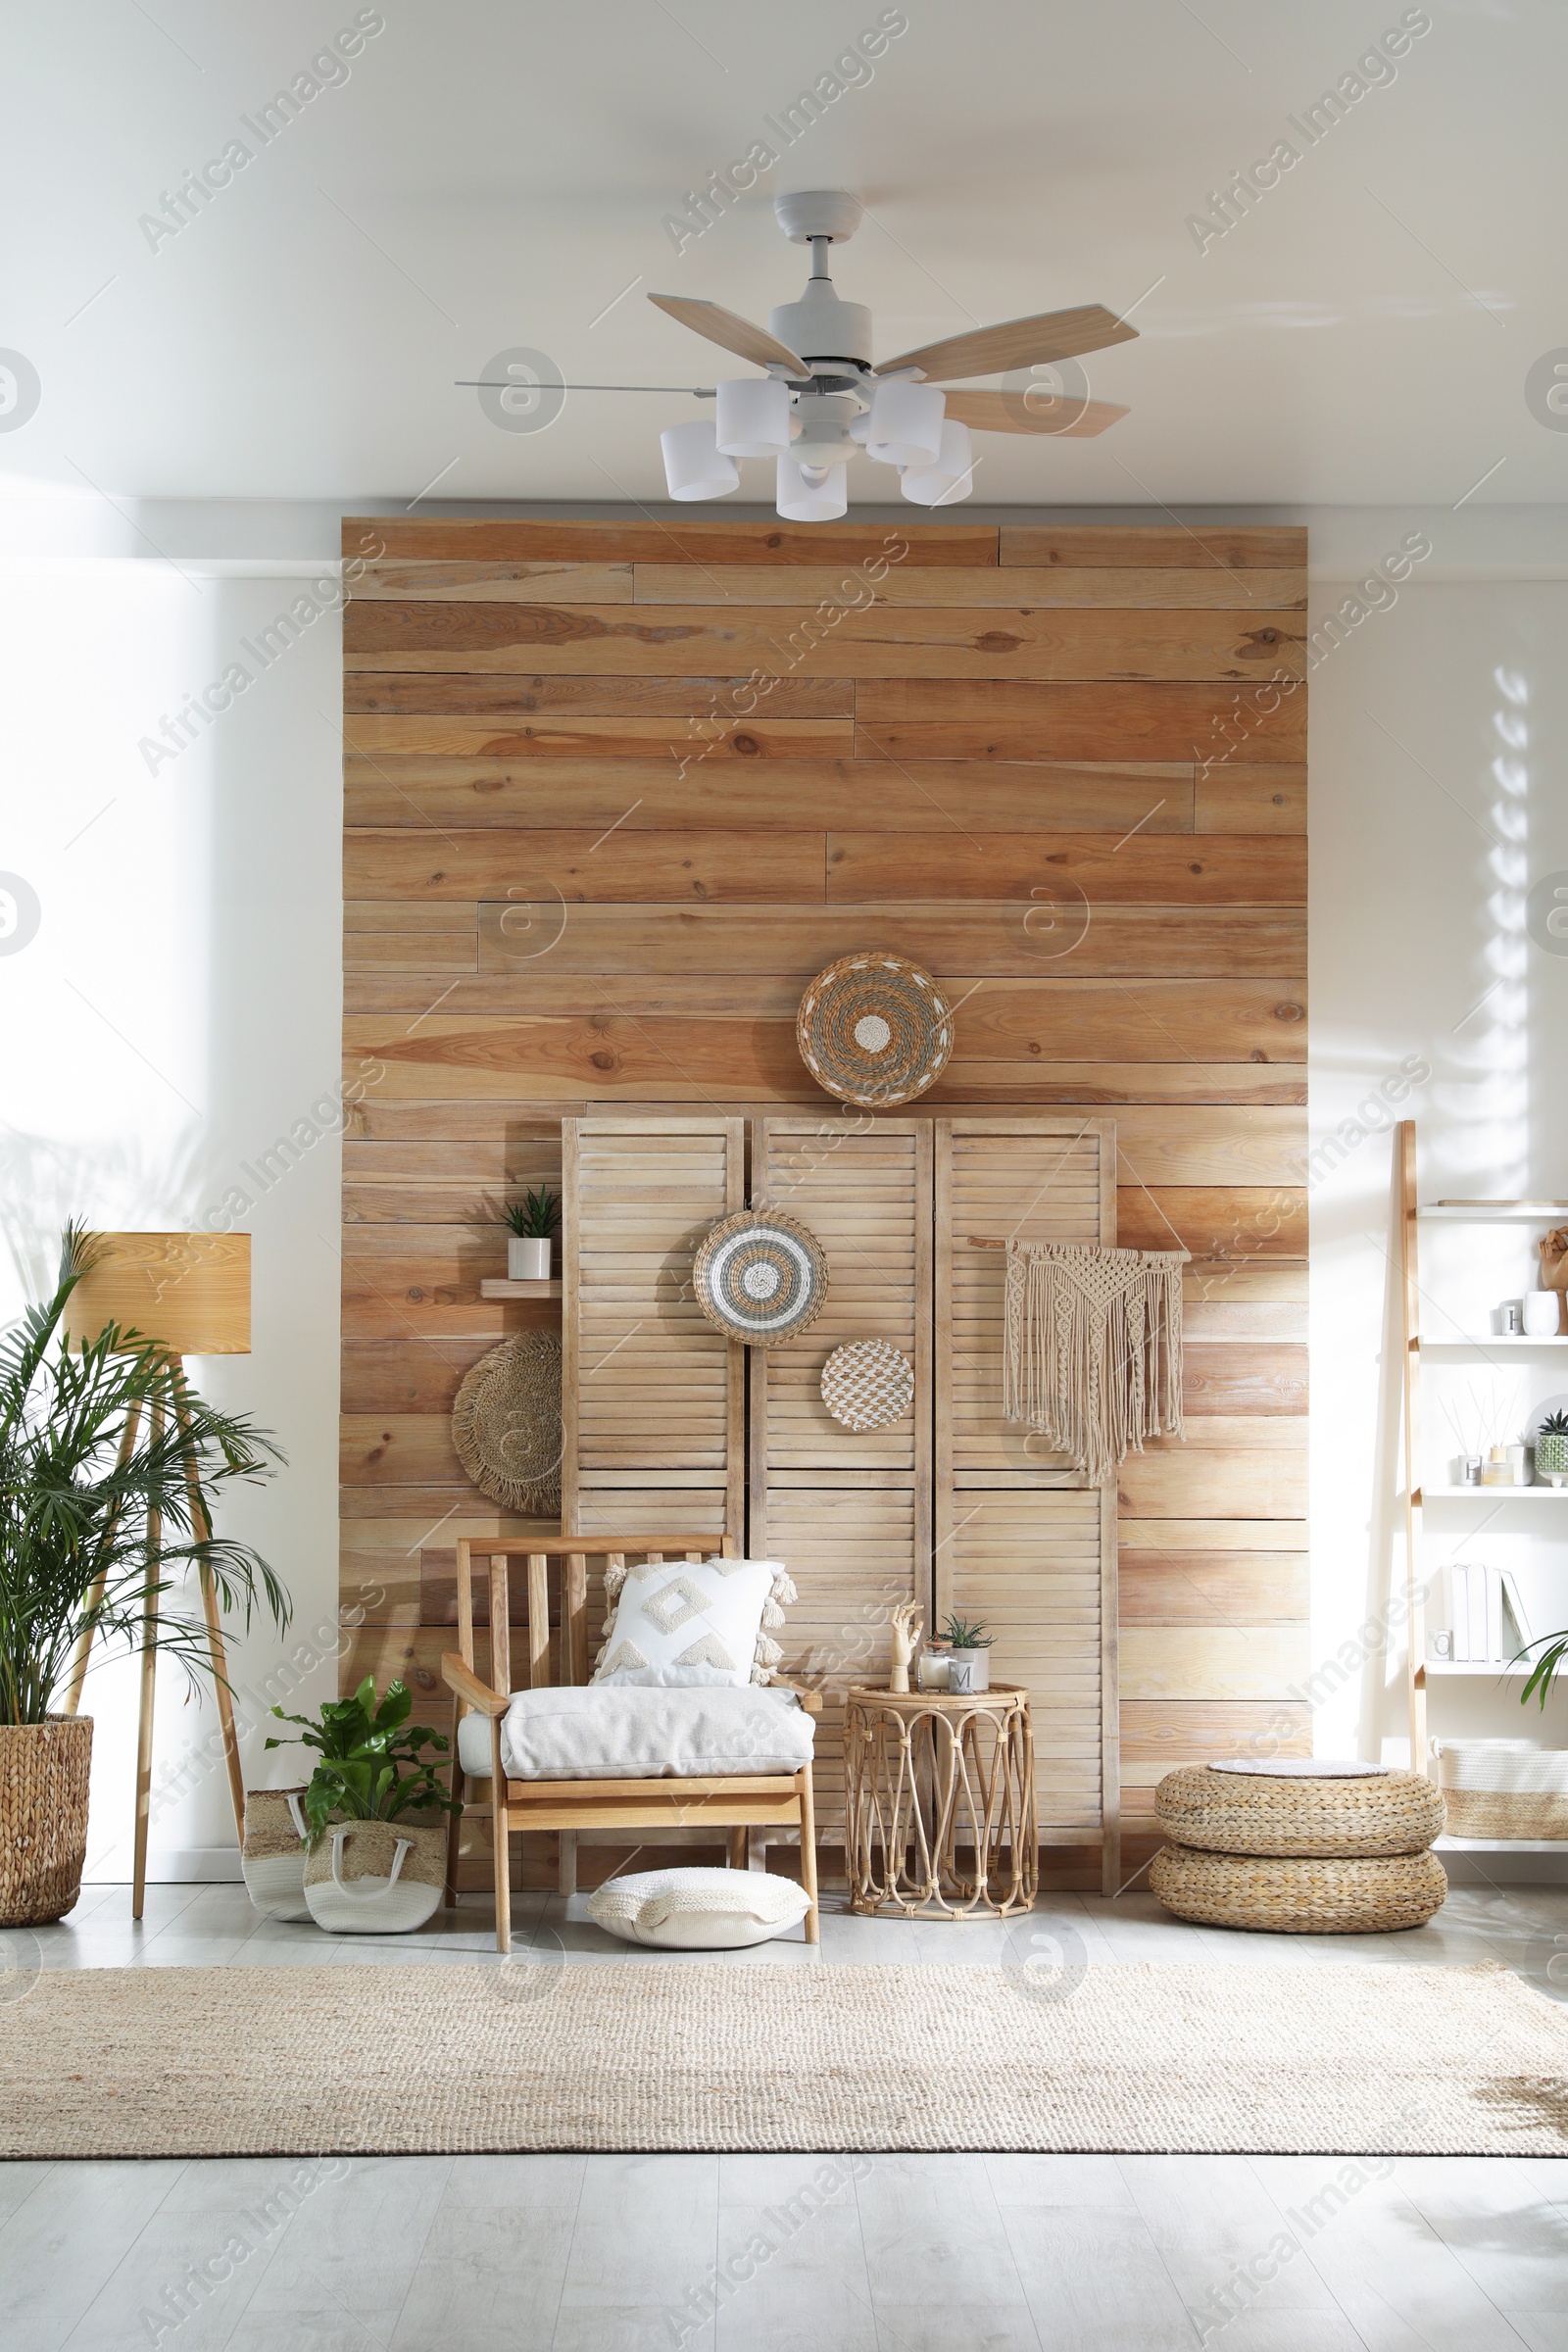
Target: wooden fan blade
column 1018, row 343
column 1030, row 413
column 731, row 332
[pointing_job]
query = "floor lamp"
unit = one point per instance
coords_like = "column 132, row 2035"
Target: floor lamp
column 191, row 1292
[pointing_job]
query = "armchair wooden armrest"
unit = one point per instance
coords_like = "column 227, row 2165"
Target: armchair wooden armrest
column 811, row 1701
column 462, row 1680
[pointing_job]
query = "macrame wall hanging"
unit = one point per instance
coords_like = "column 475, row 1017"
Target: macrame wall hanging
column 1093, row 1355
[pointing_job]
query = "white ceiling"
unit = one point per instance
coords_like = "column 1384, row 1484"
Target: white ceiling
column 491, row 177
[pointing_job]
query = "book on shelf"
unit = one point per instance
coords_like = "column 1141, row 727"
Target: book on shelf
column 1488, row 1614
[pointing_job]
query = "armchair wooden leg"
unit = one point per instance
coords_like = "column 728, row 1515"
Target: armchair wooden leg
column 566, row 1866
column 454, row 1832
column 737, row 1848
column 814, row 1925
column 500, row 1829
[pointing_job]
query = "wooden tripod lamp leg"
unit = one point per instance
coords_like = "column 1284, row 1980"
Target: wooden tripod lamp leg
column 149, row 1671
column 95, row 1592
column 201, row 1528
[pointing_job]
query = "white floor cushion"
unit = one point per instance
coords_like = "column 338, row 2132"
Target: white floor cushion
column 611, row 1732
column 699, row 1910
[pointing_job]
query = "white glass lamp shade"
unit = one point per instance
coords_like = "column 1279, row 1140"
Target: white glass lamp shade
column 904, row 427
column 693, row 466
column 802, row 499
column 949, row 479
column 753, row 418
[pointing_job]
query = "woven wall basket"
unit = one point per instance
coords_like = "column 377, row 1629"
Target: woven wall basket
column 874, row 1030
column 868, row 1384
column 759, row 1276
column 1300, row 1894
column 1393, row 1813
column 506, row 1424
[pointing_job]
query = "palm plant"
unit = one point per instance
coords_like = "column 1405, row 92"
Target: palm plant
column 102, row 1445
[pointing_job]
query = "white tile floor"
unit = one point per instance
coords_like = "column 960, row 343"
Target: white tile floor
column 841, row 2254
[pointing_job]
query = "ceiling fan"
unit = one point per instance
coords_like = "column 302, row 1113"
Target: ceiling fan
column 823, row 399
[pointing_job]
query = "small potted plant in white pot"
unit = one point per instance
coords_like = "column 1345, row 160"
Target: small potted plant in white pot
column 532, row 1220
column 1551, row 1448
column 969, row 1654
column 375, row 1814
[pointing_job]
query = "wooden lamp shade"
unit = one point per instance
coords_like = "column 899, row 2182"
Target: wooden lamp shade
column 190, row 1291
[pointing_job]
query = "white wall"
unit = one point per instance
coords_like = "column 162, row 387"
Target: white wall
column 177, row 1012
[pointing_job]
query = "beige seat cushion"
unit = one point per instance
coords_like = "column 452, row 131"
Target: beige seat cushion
column 614, row 1732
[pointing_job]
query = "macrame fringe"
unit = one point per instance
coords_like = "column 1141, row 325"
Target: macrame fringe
column 1093, row 1352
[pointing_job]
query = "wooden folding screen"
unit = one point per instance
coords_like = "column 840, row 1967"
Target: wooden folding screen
column 850, row 1515
column 1036, row 1562
column 652, row 1394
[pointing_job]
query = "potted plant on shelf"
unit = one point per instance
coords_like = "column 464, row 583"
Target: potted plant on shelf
column 375, row 1814
column 532, row 1220
column 968, row 1655
column 1551, row 1448
column 101, row 1445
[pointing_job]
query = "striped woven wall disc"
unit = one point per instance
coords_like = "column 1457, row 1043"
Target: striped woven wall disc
column 874, row 1030
column 868, row 1384
column 759, row 1276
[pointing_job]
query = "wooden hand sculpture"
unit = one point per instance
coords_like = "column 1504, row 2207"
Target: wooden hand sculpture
column 904, row 1621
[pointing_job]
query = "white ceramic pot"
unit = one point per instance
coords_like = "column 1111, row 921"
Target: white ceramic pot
column 1543, row 1314
column 375, row 1878
column 968, row 1670
column 528, row 1261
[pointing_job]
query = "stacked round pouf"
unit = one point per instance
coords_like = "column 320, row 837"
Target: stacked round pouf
column 1314, row 1851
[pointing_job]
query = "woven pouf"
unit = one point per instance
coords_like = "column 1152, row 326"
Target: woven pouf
column 1231, row 1813
column 1300, row 1894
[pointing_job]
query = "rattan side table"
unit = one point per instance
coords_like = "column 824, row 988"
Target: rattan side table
column 930, row 1777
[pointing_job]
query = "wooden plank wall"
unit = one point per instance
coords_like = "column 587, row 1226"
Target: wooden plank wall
column 615, row 790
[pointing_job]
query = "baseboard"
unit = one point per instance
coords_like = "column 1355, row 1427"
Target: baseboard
column 169, row 1866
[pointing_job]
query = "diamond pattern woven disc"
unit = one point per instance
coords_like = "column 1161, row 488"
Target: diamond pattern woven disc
column 874, row 1030
column 759, row 1276
column 868, row 1384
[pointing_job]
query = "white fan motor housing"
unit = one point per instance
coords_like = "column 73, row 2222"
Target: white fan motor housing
column 822, row 328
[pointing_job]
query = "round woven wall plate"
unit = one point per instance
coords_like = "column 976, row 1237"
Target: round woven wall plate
column 506, row 1424
column 874, row 1030
column 759, row 1276
column 868, row 1384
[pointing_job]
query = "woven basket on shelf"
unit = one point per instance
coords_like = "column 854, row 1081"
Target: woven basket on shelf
column 1505, row 1813
column 1503, row 1788
column 1300, row 1894
column 1394, row 1813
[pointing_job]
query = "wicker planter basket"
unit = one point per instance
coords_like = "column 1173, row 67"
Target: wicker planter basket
column 43, row 1817
column 376, row 1878
column 1395, row 1813
column 271, row 1859
column 1300, row 1894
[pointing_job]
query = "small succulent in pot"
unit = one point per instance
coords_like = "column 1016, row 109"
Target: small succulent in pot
column 969, row 1654
column 532, row 1220
column 1551, row 1448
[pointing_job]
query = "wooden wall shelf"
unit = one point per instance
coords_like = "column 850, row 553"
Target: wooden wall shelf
column 497, row 1287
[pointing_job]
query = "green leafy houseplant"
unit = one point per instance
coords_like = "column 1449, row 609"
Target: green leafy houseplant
column 962, row 1633
column 372, row 1766
column 534, row 1218
column 91, row 1446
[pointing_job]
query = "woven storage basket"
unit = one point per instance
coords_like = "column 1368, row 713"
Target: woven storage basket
column 271, row 1859
column 1300, row 1894
column 376, row 1878
column 1503, row 1788
column 43, row 1817
column 1395, row 1813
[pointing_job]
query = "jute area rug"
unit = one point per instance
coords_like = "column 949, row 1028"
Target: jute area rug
column 1321, row 2058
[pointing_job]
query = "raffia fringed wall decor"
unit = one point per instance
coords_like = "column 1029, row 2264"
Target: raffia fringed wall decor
column 506, row 1424
column 1093, row 1353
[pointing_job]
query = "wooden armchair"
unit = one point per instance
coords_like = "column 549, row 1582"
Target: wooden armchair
column 732, row 1802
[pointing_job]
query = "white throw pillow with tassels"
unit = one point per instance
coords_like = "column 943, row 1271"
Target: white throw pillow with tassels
column 675, row 1622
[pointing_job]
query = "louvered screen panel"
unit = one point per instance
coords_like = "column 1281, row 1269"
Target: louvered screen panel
column 1020, row 1542
column 848, row 1512
column 652, row 1394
